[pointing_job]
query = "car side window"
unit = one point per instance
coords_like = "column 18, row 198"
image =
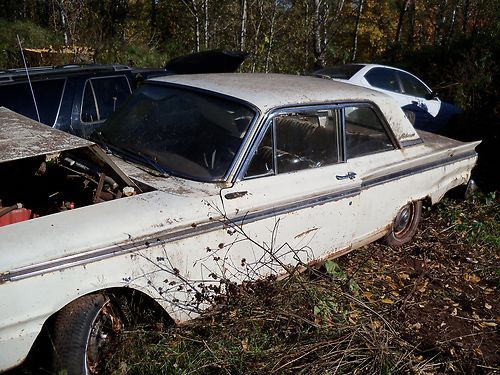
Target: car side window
column 365, row 133
column 302, row 140
column 89, row 107
column 412, row 86
column 103, row 96
column 48, row 95
column 384, row 79
column 263, row 160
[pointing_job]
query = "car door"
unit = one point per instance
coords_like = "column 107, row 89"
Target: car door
column 295, row 198
column 372, row 151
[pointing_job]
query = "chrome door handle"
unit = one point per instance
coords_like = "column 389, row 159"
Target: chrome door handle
column 349, row 175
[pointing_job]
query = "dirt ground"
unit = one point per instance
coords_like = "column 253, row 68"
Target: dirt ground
column 441, row 289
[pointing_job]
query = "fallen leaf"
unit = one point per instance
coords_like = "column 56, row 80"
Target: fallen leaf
column 244, row 344
column 367, row 295
column 454, row 312
column 387, row 301
column 415, row 326
column 403, row 276
column 487, row 324
column 472, row 278
column 488, row 306
column 375, row 325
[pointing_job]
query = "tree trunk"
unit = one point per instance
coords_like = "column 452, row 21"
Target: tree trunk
column 356, row 30
column 243, row 28
column 64, row 21
column 306, row 39
column 207, row 23
column 196, row 15
column 152, row 18
column 465, row 17
column 402, row 13
column 271, row 36
column 257, row 35
column 319, row 53
column 452, row 23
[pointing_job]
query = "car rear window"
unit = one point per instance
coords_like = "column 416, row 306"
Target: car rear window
column 18, row 98
column 340, row 71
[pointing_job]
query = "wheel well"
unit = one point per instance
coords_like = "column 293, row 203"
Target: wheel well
column 148, row 313
column 427, row 201
column 146, row 307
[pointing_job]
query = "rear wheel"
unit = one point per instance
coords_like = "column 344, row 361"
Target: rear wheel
column 84, row 333
column 405, row 224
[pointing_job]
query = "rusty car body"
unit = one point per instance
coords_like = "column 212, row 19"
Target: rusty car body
column 206, row 179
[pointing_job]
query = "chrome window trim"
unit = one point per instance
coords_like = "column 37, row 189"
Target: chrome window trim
column 60, row 103
column 95, row 99
column 265, row 121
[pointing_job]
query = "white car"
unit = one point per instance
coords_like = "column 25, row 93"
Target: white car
column 207, row 180
column 422, row 105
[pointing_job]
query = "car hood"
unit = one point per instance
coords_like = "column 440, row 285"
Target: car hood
column 21, row 137
column 164, row 206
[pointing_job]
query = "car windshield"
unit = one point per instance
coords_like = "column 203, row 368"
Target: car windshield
column 187, row 133
column 340, row 71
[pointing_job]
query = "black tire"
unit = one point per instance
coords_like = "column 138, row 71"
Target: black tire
column 405, row 224
column 83, row 334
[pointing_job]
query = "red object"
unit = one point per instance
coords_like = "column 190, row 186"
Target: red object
column 16, row 216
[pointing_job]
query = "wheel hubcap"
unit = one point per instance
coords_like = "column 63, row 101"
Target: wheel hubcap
column 403, row 220
column 105, row 328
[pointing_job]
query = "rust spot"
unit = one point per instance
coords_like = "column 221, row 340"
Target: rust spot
column 236, row 194
column 194, row 225
column 306, row 232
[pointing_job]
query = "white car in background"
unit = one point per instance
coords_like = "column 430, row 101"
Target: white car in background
column 422, row 105
column 207, row 180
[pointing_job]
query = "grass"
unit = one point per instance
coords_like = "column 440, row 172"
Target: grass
column 476, row 220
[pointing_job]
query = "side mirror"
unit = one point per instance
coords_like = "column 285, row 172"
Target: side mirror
column 431, row 95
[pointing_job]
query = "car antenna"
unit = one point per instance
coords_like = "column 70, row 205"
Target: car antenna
column 28, row 75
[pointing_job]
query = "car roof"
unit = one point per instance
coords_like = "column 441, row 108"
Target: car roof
column 367, row 66
column 19, row 74
column 370, row 66
column 269, row 91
